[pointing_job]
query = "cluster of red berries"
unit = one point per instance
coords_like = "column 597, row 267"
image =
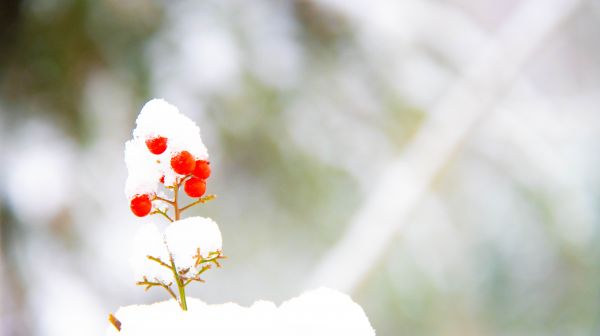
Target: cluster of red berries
column 183, row 163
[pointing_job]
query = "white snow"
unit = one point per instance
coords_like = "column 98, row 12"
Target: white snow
column 159, row 118
column 149, row 241
column 181, row 240
column 185, row 237
column 320, row 312
column 323, row 312
column 143, row 172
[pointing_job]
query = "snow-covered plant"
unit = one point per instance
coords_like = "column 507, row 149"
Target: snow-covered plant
column 166, row 153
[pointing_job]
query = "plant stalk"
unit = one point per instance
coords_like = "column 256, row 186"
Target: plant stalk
column 180, row 286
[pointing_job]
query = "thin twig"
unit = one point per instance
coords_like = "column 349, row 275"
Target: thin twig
column 215, row 255
column 201, row 200
column 198, row 257
column 200, row 260
column 158, row 261
column 164, row 200
column 184, row 179
column 197, row 276
column 164, row 213
column 150, row 284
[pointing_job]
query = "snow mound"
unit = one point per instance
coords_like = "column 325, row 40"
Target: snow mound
column 320, row 312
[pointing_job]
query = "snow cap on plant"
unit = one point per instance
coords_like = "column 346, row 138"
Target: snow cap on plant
column 192, row 240
column 161, row 119
column 163, row 142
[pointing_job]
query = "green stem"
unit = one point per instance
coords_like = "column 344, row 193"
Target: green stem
column 182, row 295
column 180, row 286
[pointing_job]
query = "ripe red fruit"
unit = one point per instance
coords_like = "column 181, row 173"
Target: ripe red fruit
column 202, row 169
column 157, row 145
column 183, row 163
column 162, row 179
column 195, row 187
column 140, row 205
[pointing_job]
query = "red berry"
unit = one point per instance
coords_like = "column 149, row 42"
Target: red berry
column 183, row 163
column 202, row 169
column 162, row 179
column 140, row 205
column 195, row 187
column 157, row 145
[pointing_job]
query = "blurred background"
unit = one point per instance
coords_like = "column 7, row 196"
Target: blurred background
column 439, row 161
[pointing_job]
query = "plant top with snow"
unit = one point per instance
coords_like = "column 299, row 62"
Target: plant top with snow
column 167, row 152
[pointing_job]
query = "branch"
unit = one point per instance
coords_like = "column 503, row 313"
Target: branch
column 186, row 177
column 163, row 199
column 164, row 213
column 213, row 258
column 159, row 261
column 201, row 200
column 150, row 284
column 197, row 276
